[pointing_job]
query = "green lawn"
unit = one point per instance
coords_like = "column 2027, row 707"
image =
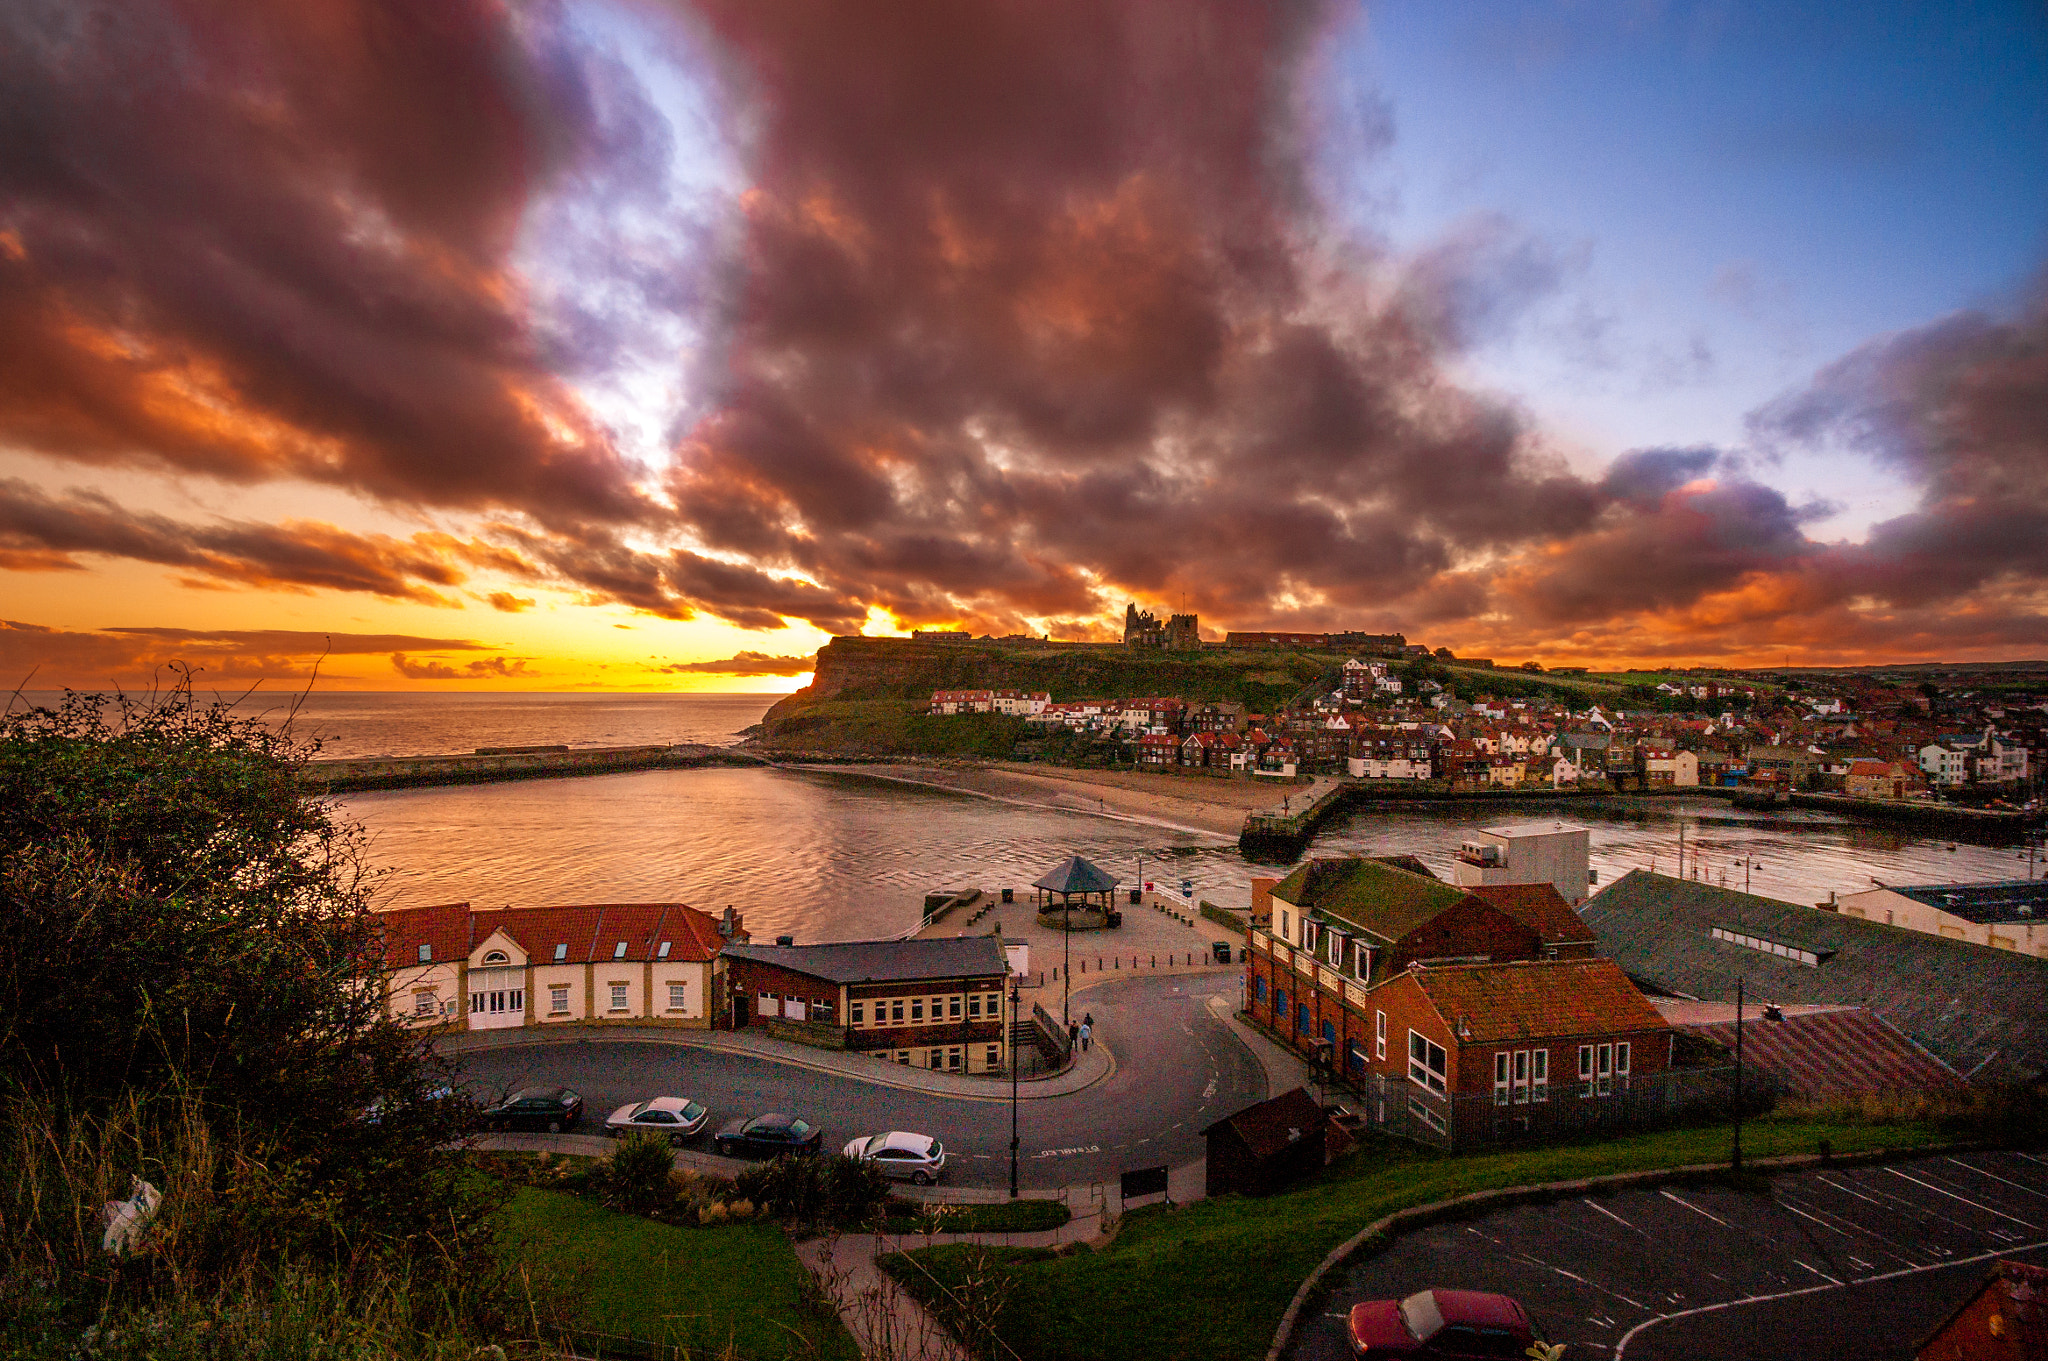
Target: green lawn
column 1213, row 1278
column 698, row 1288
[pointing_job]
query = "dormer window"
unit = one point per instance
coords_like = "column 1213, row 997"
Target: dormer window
column 662, row 953
column 561, row 951
column 426, row 954
column 497, row 957
column 620, row 953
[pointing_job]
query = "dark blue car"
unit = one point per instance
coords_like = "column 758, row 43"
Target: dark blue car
column 766, row 1136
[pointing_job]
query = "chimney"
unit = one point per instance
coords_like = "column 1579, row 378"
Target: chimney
column 785, row 940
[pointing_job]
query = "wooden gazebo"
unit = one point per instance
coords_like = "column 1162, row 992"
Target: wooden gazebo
column 1075, row 883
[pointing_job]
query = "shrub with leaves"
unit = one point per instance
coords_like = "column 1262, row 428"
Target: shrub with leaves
column 832, row 1189
column 636, row 1177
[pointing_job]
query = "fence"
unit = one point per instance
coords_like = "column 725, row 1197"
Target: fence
column 1400, row 1108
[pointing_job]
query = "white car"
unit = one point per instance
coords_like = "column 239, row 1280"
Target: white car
column 906, row 1157
column 676, row 1116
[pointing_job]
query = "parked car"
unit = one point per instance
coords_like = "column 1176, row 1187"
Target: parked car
column 906, row 1157
column 768, row 1135
column 1440, row 1323
column 553, row 1109
column 678, row 1117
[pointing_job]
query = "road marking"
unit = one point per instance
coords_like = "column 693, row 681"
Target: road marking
column 1611, row 1214
column 1209, row 1091
column 1622, row 1346
column 1815, row 1270
column 1070, row 1152
column 1695, row 1209
column 1995, row 1177
column 1964, row 1199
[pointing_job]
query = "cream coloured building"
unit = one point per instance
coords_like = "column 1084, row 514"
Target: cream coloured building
column 2012, row 915
column 645, row 963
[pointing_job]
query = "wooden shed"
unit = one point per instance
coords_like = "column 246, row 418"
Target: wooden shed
column 1267, row 1147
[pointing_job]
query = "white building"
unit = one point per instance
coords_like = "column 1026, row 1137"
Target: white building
column 1944, row 764
column 1527, row 853
column 2005, row 916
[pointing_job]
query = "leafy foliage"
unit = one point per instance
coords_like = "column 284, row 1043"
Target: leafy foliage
column 635, row 1178
column 833, row 1189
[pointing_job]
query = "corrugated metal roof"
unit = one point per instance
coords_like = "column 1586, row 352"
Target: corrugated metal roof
column 1834, row 1053
column 1969, row 1004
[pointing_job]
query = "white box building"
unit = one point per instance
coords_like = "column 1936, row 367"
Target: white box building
column 1527, row 853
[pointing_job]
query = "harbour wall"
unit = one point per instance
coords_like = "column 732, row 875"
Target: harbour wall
column 493, row 764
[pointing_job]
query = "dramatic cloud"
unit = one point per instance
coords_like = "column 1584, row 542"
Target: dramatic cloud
column 484, row 668
column 47, row 658
column 747, row 664
column 508, row 603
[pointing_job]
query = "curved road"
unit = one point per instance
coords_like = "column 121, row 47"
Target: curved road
column 1178, row 1068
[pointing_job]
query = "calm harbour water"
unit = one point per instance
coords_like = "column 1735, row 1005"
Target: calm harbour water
column 839, row 856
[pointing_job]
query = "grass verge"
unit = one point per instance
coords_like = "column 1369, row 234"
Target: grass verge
column 1007, row 1216
column 738, row 1289
column 1212, row 1279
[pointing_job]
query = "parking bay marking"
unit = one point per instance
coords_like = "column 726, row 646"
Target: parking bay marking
column 1611, row 1214
column 1622, row 1346
column 1964, row 1199
column 1995, row 1177
column 1695, row 1209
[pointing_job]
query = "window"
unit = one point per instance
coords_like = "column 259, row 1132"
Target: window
column 974, row 1006
column 953, row 1007
column 1585, row 1070
column 1379, row 1034
column 1355, row 1055
column 1422, row 1111
column 619, row 952
column 618, row 997
column 1539, row 1076
column 896, row 1011
column 1500, row 1078
column 1427, row 1062
column 1336, row 949
column 662, row 953
column 561, row 951
column 1286, row 931
column 765, row 1004
column 822, row 1011
column 1258, row 989
column 1521, row 1066
column 1330, row 1037
column 1621, row 1064
column 955, row 1059
column 426, row 954
column 860, row 1012
column 935, row 1060
column 1599, row 1065
column 903, row 1057
column 1280, row 1005
column 497, row 957
column 917, row 1009
column 558, row 999
column 677, row 993
column 995, row 1056
column 1812, row 959
column 1301, row 1022
column 423, row 1004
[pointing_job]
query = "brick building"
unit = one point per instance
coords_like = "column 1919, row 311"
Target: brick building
column 924, row 1003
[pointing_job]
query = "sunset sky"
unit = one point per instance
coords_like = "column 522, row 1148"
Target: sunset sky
column 639, row 344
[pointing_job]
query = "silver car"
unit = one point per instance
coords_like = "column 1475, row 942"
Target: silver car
column 678, row 1117
column 916, row 1158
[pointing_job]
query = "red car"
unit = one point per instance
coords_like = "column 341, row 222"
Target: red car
column 1440, row 1323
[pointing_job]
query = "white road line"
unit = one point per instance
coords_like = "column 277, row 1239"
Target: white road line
column 1574, row 1276
column 1622, row 1346
column 1898, row 1250
column 1611, row 1214
column 1784, row 1204
column 1964, row 1199
column 1695, row 1209
column 1815, row 1270
column 1995, row 1177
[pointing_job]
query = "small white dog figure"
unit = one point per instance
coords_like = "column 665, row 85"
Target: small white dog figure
column 128, row 1220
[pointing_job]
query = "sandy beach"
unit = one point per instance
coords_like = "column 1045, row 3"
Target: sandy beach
column 1192, row 803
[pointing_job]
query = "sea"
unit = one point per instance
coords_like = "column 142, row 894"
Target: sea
column 839, row 855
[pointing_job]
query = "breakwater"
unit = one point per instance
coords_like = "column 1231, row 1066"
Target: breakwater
column 1946, row 816
column 489, row 764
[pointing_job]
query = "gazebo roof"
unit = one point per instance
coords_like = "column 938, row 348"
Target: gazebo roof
column 1075, row 875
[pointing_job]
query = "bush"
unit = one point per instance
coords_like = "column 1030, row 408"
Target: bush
column 636, row 1177
column 834, row 1189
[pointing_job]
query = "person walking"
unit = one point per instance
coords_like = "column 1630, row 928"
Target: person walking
column 1073, row 1035
column 1088, row 1018
column 1086, row 1032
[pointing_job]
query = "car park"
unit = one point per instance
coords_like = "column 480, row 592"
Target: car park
column 768, row 1136
column 675, row 1117
column 1440, row 1323
column 548, row 1109
column 900, row 1155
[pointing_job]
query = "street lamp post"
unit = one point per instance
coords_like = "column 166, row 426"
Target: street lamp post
column 1735, row 1162
column 1016, row 1000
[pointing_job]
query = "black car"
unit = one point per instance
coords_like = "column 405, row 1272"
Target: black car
column 768, row 1135
column 552, row 1109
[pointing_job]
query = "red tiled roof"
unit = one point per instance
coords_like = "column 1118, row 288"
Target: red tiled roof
column 1835, row 1053
column 445, row 928
column 592, row 932
column 1536, row 999
column 1273, row 1125
column 1540, row 907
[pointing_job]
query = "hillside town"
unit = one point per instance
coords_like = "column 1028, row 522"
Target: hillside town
column 1386, row 719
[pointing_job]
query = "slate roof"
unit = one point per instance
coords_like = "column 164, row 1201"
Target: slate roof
column 2013, row 900
column 1273, row 1125
column 1540, row 907
column 883, row 961
column 1534, row 999
column 1968, row 1004
column 1075, row 875
column 1835, row 1053
column 1376, row 898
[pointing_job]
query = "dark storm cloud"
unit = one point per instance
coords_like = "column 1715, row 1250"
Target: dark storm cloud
column 259, row 240
column 296, row 555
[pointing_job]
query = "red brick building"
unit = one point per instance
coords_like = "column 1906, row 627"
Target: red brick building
column 924, row 1003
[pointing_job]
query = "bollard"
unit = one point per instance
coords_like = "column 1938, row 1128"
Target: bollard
column 1155, row 961
column 1116, row 961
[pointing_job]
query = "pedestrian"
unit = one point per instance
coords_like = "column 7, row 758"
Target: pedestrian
column 1085, row 1034
column 1088, row 1019
column 1073, row 1035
